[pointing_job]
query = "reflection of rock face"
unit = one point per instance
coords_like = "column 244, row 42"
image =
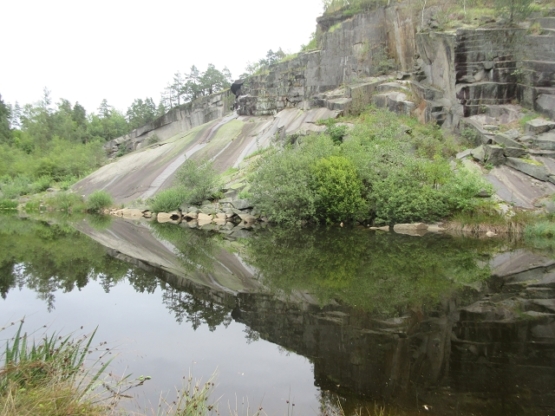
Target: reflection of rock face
column 475, row 352
column 445, row 357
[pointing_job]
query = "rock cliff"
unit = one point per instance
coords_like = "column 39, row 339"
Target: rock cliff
column 464, row 78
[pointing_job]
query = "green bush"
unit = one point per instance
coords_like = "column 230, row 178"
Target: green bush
column 168, row 200
column 338, row 189
column 389, row 169
column 8, row 204
column 98, row 201
column 199, row 180
column 281, row 183
column 68, row 201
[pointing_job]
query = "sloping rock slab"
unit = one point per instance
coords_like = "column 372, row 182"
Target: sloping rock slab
column 518, row 261
column 517, row 188
column 535, row 171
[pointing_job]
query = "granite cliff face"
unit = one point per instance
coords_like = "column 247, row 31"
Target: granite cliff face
column 466, row 78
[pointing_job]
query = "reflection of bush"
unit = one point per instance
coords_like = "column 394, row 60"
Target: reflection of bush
column 377, row 272
column 195, row 249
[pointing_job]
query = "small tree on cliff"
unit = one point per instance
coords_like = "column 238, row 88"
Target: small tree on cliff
column 514, row 9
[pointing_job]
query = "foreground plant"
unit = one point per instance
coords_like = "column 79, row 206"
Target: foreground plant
column 49, row 377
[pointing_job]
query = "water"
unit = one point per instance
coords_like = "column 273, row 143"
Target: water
column 308, row 318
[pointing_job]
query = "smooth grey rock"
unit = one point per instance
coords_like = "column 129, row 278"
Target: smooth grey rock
column 242, row 204
column 209, row 209
column 494, row 154
column 545, row 141
column 514, row 152
column 490, row 127
column 512, row 134
column 411, row 226
column 478, row 153
column 464, row 154
column 488, row 65
column 550, row 208
column 247, row 219
column 505, row 140
column 535, row 171
column 538, row 126
column 482, row 193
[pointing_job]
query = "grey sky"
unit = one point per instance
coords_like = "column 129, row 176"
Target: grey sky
column 121, row 50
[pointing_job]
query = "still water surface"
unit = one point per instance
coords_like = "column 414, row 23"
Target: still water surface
column 304, row 318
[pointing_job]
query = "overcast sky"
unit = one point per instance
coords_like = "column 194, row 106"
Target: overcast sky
column 121, row 50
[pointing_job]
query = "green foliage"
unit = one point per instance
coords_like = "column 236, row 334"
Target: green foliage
column 153, row 139
column 99, row 200
column 397, row 169
column 351, row 7
column 281, row 183
column 381, row 273
column 5, row 128
column 167, row 200
column 195, row 84
column 141, row 112
column 8, row 204
column 65, row 201
column 199, row 180
column 313, row 43
column 514, row 10
column 338, row 189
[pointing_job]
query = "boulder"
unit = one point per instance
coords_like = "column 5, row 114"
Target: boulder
column 514, row 152
column 242, row 204
column 191, row 215
column 494, row 155
column 204, row 219
column 505, row 140
column 412, row 227
column 171, row 217
column 247, row 219
column 538, row 126
column 478, row 153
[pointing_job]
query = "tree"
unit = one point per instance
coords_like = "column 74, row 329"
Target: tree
column 514, row 9
column 141, row 112
column 5, row 116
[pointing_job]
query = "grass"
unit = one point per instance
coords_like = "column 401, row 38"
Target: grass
column 48, row 377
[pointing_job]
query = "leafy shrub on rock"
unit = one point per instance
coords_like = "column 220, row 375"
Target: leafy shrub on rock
column 338, row 189
column 196, row 182
column 168, row 200
column 281, row 185
column 98, row 201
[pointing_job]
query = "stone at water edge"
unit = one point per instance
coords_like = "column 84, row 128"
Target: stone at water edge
column 204, row 219
column 191, row 215
column 173, row 217
column 417, row 226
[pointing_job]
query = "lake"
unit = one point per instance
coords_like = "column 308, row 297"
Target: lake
column 294, row 321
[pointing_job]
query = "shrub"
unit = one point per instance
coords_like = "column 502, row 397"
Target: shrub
column 98, row 201
column 67, row 201
column 199, row 180
column 281, row 183
column 8, row 204
column 168, row 200
column 338, row 189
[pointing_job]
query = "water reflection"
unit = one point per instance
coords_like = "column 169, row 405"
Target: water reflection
column 460, row 326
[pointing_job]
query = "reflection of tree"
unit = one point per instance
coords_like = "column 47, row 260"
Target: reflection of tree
column 378, row 272
column 195, row 310
column 47, row 258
